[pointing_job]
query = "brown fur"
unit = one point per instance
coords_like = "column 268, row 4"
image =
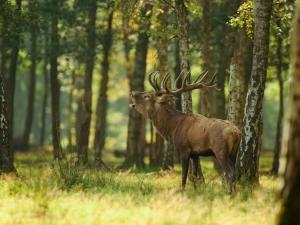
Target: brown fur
column 194, row 134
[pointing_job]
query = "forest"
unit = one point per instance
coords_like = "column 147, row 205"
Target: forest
column 150, row 112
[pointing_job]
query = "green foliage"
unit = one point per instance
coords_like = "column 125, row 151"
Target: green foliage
column 244, row 18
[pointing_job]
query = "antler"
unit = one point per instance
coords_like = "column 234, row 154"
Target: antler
column 188, row 86
column 153, row 80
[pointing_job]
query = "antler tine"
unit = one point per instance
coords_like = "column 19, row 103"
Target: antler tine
column 201, row 77
column 155, row 79
column 164, row 81
column 150, row 79
column 185, row 79
column 212, row 81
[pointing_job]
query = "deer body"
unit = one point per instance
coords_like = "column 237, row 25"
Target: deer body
column 193, row 134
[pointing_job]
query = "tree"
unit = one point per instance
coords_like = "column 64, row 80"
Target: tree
column 291, row 192
column 237, row 79
column 101, row 124
column 13, row 66
column 32, row 80
column 248, row 154
column 203, row 104
column 136, row 123
column 86, row 102
column 182, row 32
column 46, row 88
column 54, row 83
column 6, row 161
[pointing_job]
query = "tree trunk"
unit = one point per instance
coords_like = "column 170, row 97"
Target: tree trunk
column 31, row 90
column 135, row 123
column 162, row 52
column 70, row 120
column 237, row 80
column 6, row 161
column 101, row 124
column 277, row 149
column 248, row 154
column 4, row 41
column 182, row 22
column 86, row 102
column 13, row 70
column 203, row 104
column 177, row 70
column 54, row 84
column 291, row 192
column 46, row 90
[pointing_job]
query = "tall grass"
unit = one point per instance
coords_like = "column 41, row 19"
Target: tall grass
column 65, row 193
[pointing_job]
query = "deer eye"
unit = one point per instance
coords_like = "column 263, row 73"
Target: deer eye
column 146, row 97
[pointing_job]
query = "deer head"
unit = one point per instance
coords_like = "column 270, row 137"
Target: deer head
column 145, row 102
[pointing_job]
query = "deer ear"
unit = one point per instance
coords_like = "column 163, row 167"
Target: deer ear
column 164, row 98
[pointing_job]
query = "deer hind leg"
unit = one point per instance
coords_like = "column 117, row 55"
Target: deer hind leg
column 197, row 171
column 185, row 160
column 228, row 170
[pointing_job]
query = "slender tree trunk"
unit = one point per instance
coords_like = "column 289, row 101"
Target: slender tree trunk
column 31, row 89
column 4, row 40
column 54, row 84
column 13, row 71
column 136, row 122
column 277, row 149
column 46, row 90
column 182, row 22
column 6, row 162
column 70, row 119
column 291, row 192
column 248, row 154
column 101, row 123
column 237, row 80
column 166, row 149
column 177, row 70
column 203, row 105
column 86, row 102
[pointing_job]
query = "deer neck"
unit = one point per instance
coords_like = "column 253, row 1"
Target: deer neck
column 165, row 119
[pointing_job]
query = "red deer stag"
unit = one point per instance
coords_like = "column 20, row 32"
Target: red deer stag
column 194, row 134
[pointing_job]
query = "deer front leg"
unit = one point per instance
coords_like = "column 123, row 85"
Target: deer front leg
column 185, row 159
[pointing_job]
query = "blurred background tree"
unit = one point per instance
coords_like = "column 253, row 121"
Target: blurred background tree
column 84, row 57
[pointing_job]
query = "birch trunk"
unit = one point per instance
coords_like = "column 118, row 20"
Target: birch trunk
column 248, row 154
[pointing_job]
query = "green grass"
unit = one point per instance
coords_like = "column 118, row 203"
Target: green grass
column 48, row 193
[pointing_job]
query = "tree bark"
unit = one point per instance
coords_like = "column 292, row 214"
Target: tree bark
column 182, row 23
column 291, row 192
column 70, row 119
column 177, row 70
column 31, row 90
column 101, row 114
column 13, row 69
column 203, row 104
column 248, row 154
column 86, row 102
column 54, row 84
column 6, row 161
column 279, row 57
column 237, row 80
column 135, row 134
column 4, row 41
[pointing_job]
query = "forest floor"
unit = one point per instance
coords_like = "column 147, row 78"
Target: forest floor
column 46, row 193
